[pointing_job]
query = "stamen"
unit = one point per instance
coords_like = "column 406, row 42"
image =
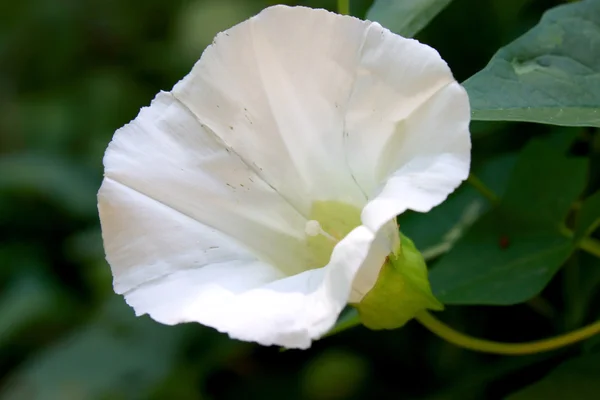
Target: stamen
column 313, row 228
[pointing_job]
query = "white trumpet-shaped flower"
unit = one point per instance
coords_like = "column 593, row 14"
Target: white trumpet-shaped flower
column 259, row 196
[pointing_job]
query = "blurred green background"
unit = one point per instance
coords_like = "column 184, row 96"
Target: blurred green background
column 73, row 71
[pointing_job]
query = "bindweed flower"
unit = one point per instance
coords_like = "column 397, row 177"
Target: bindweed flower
column 259, row 196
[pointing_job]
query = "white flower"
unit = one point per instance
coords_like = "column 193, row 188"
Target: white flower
column 259, row 196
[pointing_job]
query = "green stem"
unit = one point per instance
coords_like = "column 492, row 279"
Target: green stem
column 587, row 243
column 483, row 189
column 343, row 7
column 590, row 245
column 487, row 346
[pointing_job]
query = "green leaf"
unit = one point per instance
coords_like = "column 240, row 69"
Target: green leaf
column 589, row 217
column 544, row 185
column 405, row 17
column 574, row 379
column 549, row 75
column 511, row 253
column 480, row 270
column 115, row 356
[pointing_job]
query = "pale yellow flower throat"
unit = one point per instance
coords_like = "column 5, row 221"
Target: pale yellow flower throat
column 329, row 222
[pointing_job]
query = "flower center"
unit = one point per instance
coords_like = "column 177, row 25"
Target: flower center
column 330, row 222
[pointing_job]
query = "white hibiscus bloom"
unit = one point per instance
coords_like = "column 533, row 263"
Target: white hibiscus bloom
column 259, row 196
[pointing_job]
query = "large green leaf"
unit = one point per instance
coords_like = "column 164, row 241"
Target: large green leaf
column 481, row 269
column 405, row 17
column 511, row 253
column 549, row 75
column 544, row 185
column 574, row 379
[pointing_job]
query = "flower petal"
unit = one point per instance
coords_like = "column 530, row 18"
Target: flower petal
column 185, row 246
column 206, row 194
column 432, row 157
column 236, row 297
column 397, row 76
column 174, row 162
column 274, row 88
column 407, row 133
column 147, row 241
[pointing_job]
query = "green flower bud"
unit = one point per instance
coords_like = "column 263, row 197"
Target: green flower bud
column 401, row 292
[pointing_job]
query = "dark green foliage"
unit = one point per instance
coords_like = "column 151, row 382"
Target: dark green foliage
column 511, row 253
column 549, row 75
